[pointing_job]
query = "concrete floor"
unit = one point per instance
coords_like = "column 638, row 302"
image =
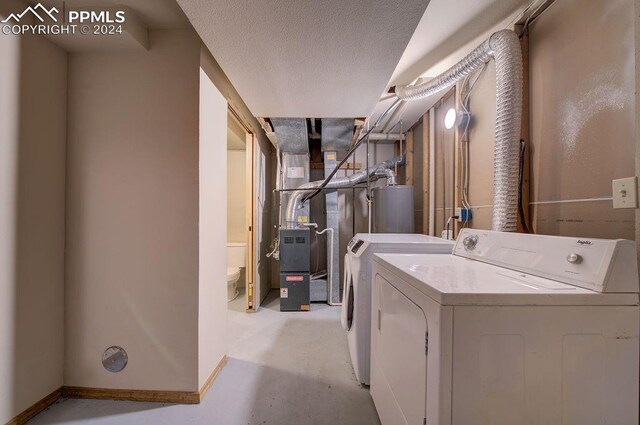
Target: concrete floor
column 284, row 368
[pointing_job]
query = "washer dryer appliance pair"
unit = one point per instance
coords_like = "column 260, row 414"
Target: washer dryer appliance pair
column 356, row 305
column 510, row 329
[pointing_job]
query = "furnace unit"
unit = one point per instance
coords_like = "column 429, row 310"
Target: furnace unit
column 295, row 251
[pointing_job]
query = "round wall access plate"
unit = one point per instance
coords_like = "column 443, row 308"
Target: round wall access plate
column 114, row 359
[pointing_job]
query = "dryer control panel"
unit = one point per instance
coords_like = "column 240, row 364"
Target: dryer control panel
column 354, row 245
column 600, row 265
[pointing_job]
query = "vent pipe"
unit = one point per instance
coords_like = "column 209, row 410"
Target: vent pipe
column 382, row 170
column 504, row 47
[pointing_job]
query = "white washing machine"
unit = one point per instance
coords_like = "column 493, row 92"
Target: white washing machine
column 510, row 329
column 356, row 305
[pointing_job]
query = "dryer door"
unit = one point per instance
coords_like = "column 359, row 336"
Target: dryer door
column 346, row 317
column 398, row 356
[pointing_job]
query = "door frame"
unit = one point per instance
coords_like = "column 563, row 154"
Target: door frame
column 252, row 295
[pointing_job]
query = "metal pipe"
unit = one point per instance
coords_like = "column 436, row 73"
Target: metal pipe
column 385, row 137
column 279, row 184
column 353, row 204
column 432, row 171
column 368, row 184
column 400, row 134
column 311, row 189
column 353, row 211
column 296, row 200
column 328, row 178
column 398, row 112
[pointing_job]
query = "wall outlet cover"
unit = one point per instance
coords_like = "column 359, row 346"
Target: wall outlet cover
column 625, row 193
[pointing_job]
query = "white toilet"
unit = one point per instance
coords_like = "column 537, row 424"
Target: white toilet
column 236, row 252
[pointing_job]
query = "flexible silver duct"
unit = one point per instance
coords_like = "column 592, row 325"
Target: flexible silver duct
column 384, row 169
column 504, row 47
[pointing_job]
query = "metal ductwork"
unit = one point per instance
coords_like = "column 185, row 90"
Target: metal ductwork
column 504, row 47
column 293, row 142
column 382, row 170
column 337, row 134
column 292, row 135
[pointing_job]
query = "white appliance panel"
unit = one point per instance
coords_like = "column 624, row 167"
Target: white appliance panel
column 595, row 264
column 522, row 344
column 399, row 335
column 545, row 365
column 454, row 280
column 358, row 282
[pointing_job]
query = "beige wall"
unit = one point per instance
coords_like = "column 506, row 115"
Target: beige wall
column 132, row 215
column 237, row 193
column 136, row 218
column 212, row 295
column 33, row 88
column 582, row 121
column 481, row 142
column 146, row 255
column 582, row 116
column 637, row 101
column 266, row 270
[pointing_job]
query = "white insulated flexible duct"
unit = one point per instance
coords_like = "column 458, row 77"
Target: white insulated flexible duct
column 384, row 169
column 504, row 47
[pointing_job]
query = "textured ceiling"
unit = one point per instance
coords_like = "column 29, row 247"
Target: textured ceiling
column 307, row 58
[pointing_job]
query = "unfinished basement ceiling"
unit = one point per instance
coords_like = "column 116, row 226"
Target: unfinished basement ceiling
column 293, row 58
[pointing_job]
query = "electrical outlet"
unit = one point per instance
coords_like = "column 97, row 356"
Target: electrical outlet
column 448, row 235
column 463, row 214
column 625, row 193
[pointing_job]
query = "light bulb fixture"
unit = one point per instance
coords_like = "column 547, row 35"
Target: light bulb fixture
column 450, row 118
column 455, row 118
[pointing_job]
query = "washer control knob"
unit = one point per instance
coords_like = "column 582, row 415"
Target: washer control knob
column 574, row 258
column 470, row 242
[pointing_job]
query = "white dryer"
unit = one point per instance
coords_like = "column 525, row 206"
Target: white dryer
column 356, row 305
column 510, row 329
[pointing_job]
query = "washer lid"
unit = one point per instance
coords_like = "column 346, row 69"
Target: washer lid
column 600, row 265
column 453, row 280
column 399, row 237
column 398, row 242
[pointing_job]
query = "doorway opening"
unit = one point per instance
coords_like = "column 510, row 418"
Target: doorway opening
column 240, row 216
